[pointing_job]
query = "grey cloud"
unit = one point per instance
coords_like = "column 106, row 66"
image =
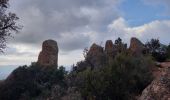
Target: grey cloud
column 52, row 18
column 72, row 42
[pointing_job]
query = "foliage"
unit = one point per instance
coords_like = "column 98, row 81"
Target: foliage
column 124, row 78
column 168, row 51
column 29, row 82
column 7, row 23
column 157, row 50
column 120, row 46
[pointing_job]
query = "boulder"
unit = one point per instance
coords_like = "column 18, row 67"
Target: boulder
column 49, row 54
column 95, row 56
column 136, row 46
column 159, row 89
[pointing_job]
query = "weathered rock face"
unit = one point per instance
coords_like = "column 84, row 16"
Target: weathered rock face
column 109, row 48
column 159, row 89
column 136, row 46
column 49, row 54
column 96, row 56
column 110, row 51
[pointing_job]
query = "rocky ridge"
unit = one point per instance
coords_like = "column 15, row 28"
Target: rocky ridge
column 97, row 56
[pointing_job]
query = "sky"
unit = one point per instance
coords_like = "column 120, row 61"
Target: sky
column 76, row 24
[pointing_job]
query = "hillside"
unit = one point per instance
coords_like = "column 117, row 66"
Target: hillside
column 113, row 72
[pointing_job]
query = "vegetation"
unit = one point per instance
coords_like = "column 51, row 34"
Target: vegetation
column 121, row 47
column 28, row 82
column 157, row 50
column 7, row 23
column 168, row 51
column 122, row 79
column 125, row 78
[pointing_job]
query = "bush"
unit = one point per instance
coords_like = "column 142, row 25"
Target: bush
column 125, row 77
column 168, row 51
column 157, row 50
column 29, row 82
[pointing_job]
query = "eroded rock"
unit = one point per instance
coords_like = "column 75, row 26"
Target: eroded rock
column 109, row 48
column 49, row 54
column 96, row 56
column 159, row 89
column 136, row 46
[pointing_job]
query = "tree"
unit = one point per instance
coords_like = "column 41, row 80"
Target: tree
column 7, row 24
column 168, row 51
column 34, row 81
column 120, row 46
column 153, row 45
column 156, row 49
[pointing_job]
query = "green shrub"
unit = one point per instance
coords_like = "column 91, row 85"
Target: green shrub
column 168, row 51
column 125, row 77
column 29, row 82
column 157, row 50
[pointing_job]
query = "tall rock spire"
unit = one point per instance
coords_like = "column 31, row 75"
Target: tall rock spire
column 109, row 48
column 49, row 54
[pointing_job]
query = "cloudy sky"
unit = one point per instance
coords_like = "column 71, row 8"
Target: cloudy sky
column 76, row 24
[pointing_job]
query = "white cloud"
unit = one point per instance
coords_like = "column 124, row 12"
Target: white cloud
column 155, row 29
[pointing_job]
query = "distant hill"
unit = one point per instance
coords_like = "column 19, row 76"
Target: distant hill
column 6, row 70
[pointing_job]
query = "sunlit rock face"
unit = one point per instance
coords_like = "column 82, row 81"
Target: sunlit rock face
column 136, row 46
column 49, row 54
column 159, row 89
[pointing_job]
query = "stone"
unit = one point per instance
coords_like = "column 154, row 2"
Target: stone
column 49, row 54
column 159, row 89
column 96, row 56
column 136, row 46
column 109, row 48
column 110, row 51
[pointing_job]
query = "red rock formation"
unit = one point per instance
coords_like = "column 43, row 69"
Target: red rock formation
column 110, row 51
column 136, row 46
column 95, row 50
column 49, row 54
column 96, row 55
column 109, row 48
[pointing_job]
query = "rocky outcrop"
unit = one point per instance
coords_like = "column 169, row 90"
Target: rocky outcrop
column 95, row 56
column 110, row 51
column 109, row 48
column 159, row 89
column 49, row 54
column 136, row 46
